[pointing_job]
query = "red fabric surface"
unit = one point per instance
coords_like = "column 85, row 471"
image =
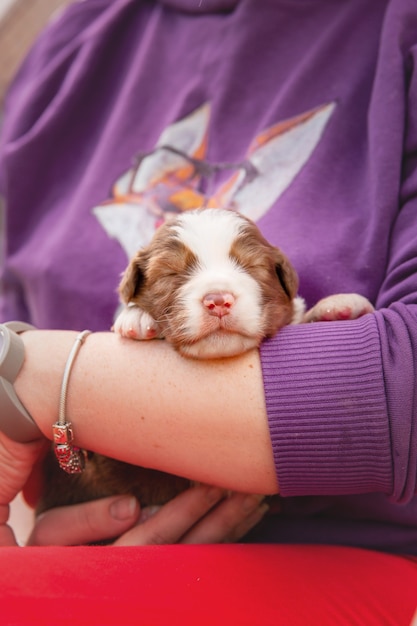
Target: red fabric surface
column 236, row 584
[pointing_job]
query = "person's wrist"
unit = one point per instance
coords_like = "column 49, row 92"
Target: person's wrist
column 39, row 380
column 15, row 421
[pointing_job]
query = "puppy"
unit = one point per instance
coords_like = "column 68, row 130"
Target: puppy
column 211, row 285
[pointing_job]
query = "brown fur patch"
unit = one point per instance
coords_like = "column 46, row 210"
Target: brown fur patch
column 272, row 271
column 103, row 477
column 154, row 277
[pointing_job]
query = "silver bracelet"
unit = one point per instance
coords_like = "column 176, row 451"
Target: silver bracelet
column 70, row 458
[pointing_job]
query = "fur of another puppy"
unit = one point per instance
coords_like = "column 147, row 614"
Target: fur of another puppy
column 211, row 285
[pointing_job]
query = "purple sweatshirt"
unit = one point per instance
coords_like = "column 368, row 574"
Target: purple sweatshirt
column 301, row 114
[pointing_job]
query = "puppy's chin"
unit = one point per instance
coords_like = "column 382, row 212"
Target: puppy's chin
column 218, row 344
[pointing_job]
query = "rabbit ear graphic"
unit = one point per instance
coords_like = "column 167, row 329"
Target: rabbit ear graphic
column 276, row 156
column 161, row 178
column 188, row 137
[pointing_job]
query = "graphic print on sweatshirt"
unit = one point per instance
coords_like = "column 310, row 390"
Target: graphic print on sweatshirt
column 175, row 176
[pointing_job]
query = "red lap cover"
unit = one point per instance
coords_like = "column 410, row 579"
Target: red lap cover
column 206, row 585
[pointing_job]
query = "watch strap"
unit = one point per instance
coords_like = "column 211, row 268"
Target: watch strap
column 15, row 421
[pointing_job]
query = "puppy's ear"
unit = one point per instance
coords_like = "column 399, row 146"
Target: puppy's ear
column 286, row 274
column 133, row 277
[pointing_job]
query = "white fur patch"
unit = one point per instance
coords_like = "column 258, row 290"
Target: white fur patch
column 210, row 236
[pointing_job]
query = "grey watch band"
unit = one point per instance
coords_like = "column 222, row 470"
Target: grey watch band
column 15, row 421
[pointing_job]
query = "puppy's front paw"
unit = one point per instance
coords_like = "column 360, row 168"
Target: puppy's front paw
column 344, row 306
column 134, row 323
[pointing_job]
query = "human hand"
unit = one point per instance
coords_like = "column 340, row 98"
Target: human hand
column 199, row 515
column 16, row 463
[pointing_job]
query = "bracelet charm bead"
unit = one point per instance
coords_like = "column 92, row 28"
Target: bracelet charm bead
column 70, row 458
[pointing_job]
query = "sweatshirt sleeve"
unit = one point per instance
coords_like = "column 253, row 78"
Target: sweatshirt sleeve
column 341, row 405
column 341, row 397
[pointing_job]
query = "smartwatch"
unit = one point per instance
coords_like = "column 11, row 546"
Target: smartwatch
column 15, row 421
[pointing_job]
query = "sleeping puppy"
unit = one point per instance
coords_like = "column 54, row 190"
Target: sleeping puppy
column 211, row 285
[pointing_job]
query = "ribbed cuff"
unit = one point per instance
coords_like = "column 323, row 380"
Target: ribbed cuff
column 326, row 407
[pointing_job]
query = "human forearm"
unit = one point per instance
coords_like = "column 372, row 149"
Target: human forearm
column 143, row 403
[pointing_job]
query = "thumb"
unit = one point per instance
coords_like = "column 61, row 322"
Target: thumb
column 16, row 462
column 89, row 522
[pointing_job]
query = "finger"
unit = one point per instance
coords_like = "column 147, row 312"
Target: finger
column 7, row 537
column 33, row 489
column 85, row 523
column 231, row 520
column 16, row 462
column 170, row 523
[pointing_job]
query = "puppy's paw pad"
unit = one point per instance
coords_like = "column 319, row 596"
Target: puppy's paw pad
column 150, row 332
column 133, row 323
column 339, row 307
column 131, row 333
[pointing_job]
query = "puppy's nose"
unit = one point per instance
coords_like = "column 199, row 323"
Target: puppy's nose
column 218, row 304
